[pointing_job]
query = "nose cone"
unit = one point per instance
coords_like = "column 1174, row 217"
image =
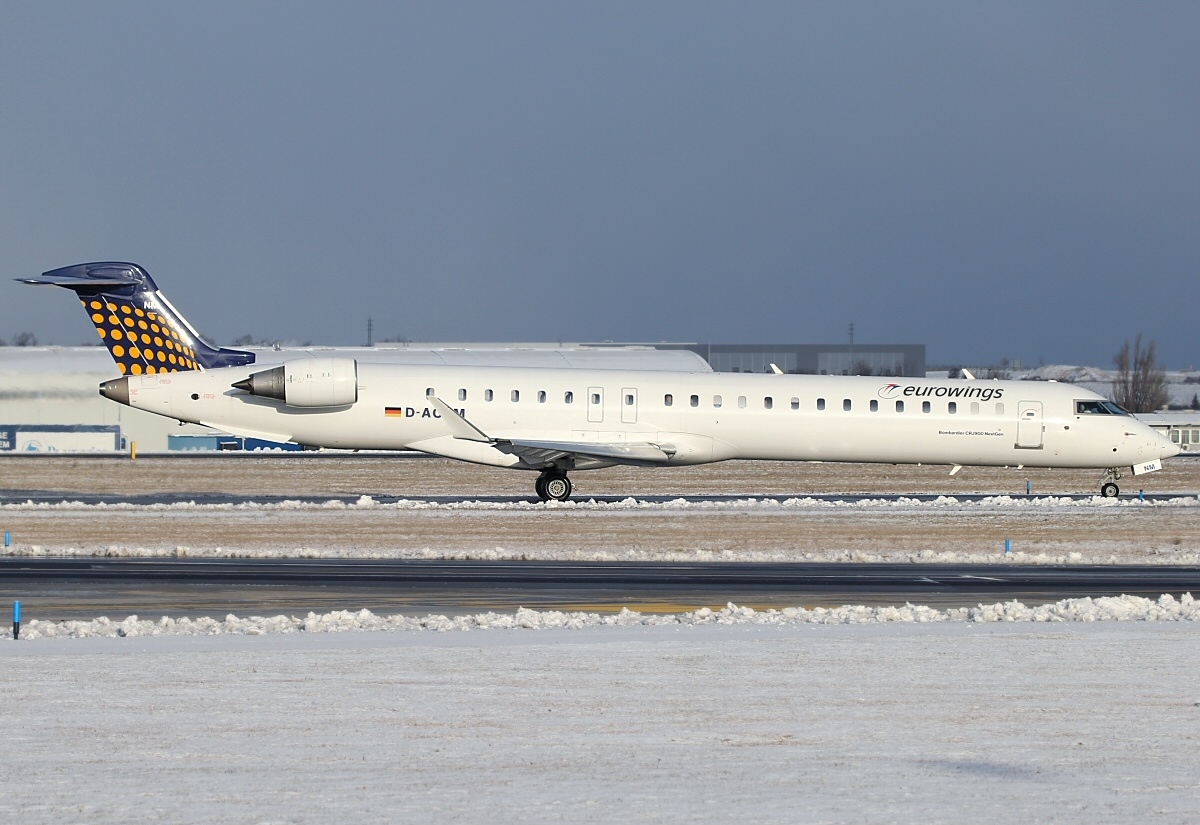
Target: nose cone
column 116, row 390
column 1168, row 447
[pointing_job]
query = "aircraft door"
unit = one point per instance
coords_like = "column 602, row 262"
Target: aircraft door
column 595, row 404
column 1029, row 425
column 629, row 401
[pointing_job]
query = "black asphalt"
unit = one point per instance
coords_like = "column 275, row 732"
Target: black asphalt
column 86, row 587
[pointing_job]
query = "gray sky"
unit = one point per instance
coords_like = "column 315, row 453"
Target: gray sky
column 995, row 180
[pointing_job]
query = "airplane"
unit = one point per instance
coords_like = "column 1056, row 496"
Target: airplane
column 554, row 421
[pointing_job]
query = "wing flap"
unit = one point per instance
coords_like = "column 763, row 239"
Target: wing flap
column 622, row 453
column 537, row 452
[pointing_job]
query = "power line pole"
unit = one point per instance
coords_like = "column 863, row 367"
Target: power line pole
column 851, row 331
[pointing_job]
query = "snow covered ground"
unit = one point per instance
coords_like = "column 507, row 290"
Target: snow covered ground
column 1045, row 529
column 896, row 723
column 1105, row 609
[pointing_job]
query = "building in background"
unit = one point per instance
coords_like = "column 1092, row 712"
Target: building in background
column 813, row 359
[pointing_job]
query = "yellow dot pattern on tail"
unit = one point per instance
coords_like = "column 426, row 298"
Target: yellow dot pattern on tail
column 141, row 341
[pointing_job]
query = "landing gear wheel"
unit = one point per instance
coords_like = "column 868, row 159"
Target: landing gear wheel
column 1108, row 484
column 553, row 486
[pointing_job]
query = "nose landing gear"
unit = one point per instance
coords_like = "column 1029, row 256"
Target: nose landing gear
column 1108, row 484
column 553, row 484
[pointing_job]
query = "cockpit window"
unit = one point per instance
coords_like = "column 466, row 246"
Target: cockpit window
column 1099, row 408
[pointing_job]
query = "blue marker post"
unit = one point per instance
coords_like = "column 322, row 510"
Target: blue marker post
column 7, row 538
column 1141, row 495
column 1028, row 487
column 16, row 620
column 1007, row 546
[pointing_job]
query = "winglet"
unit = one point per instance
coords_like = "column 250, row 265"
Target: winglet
column 967, row 374
column 459, row 426
column 776, row 370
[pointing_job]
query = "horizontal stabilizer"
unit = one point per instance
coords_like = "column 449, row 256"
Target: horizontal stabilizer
column 94, row 277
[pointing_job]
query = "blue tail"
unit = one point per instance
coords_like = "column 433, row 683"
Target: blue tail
column 142, row 331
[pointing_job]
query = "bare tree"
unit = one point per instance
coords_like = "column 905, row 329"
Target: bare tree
column 25, row 339
column 1141, row 385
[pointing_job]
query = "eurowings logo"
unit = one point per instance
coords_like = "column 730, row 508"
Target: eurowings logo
column 981, row 390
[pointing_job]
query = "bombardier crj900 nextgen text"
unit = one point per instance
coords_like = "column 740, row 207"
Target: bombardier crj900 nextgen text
column 555, row 420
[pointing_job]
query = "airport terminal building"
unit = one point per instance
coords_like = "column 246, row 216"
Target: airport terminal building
column 813, row 359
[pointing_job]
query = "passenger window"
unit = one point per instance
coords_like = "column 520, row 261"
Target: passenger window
column 1000, row 409
column 925, row 406
column 541, row 396
column 899, row 406
column 795, row 403
column 595, row 398
column 568, row 397
column 952, row 408
column 487, row 395
column 462, row 395
column 668, row 400
column 846, row 404
column 628, row 400
column 515, row 395
column 974, row 408
column 695, row 401
column 429, row 392
column 741, row 402
column 717, row 401
column 820, row 403
column 768, row 403
column 874, row 405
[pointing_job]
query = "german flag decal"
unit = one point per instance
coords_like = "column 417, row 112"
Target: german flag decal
column 393, row 412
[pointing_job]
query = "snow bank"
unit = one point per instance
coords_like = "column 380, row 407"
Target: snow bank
column 1133, row 555
column 800, row 503
column 1121, row 608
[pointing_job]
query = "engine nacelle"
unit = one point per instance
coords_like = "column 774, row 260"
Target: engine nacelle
column 307, row 382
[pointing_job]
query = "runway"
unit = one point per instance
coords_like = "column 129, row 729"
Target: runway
column 83, row 588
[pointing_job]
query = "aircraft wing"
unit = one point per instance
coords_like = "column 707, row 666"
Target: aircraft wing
column 537, row 452
column 622, row 453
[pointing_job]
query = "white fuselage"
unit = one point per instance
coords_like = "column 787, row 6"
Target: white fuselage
column 701, row 417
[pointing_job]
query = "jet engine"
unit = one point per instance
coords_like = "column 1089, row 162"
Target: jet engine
column 307, row 382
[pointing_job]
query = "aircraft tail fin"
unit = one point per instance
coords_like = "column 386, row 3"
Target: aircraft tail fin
column 143, row 332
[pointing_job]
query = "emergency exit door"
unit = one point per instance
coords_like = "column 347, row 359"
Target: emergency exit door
column 595, row 404
column 629, row 402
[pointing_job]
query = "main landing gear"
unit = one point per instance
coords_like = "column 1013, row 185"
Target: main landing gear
column 1108, row 484
column 553, row 484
